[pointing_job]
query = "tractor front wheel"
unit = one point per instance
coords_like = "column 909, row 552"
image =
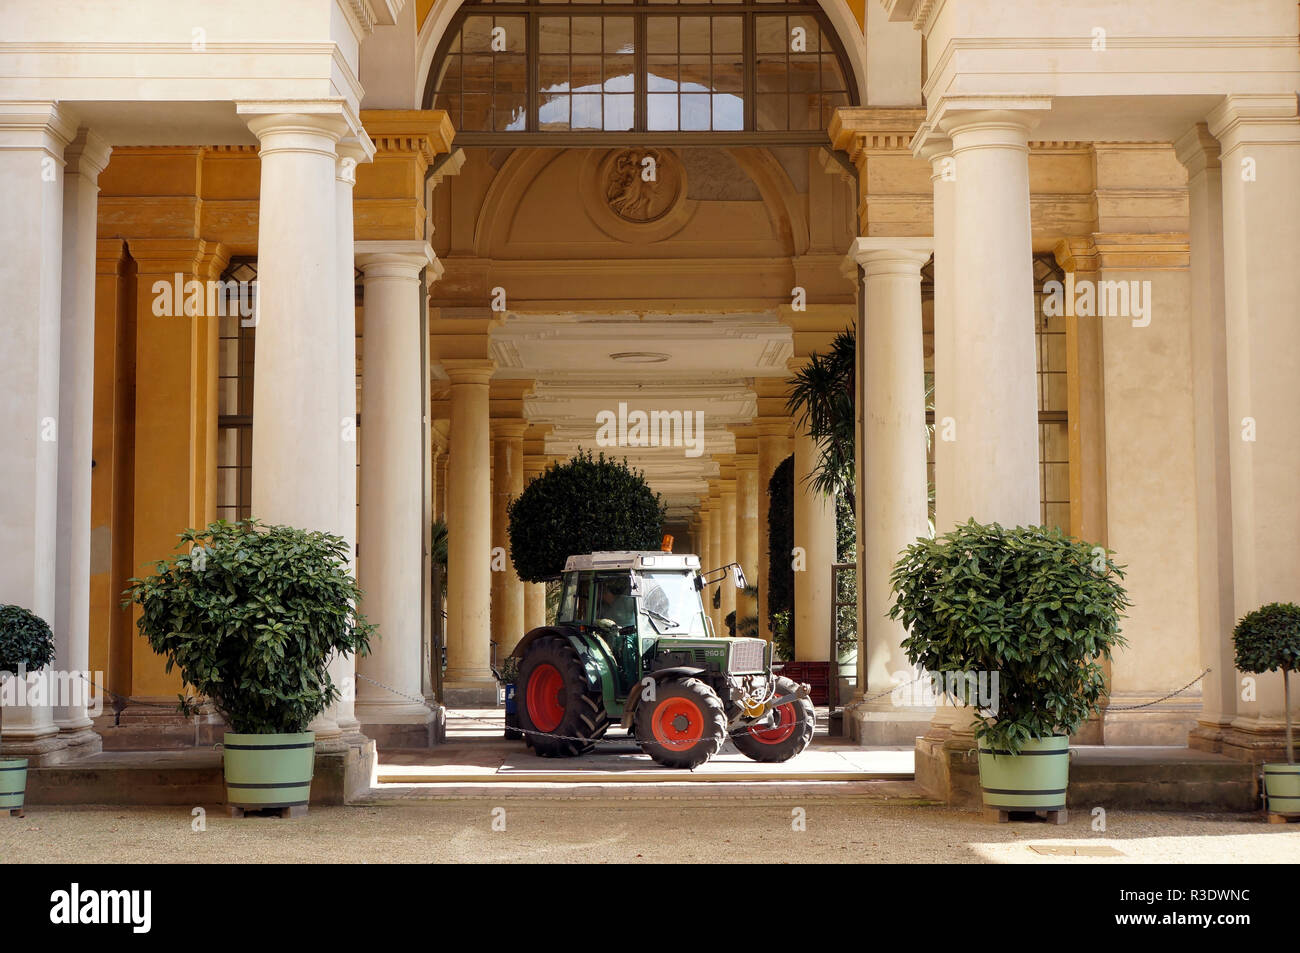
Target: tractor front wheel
column 789, row 733
column 559, row 715
column 684, row 726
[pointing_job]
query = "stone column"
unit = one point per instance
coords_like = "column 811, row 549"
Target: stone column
column 469, row 682
column 392, row 494
column 1260, row 140
column 534, row 592
column 86, row 156
column 716, row 518
column 727, row 493
column 891, row 392
column 990, row 357
column 706, row 556
column 32, row 138
column 814, row 541
column 773, row 447
column 342, row 715
column 296, row 442
column 938, row 150
column 747, row 537
column 507, row 483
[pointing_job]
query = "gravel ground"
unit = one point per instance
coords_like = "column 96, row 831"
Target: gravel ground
column 613, row 831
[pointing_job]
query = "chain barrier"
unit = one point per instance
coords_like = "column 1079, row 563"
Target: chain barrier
column 1162, row 697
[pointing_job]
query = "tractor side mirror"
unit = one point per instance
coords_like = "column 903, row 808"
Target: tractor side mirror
column 740, row 576
column 634, row 584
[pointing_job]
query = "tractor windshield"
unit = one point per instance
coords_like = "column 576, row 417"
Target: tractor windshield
column 671, row 603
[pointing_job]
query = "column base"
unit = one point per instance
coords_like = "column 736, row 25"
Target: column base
column 470, row 691
column 1165, row 723
column 41, row 747
column 82, row 740
column 148, row 723
column 1257, row 740
column 866, row 725
column 402, row 724
column 341, row 776
column 947, row 769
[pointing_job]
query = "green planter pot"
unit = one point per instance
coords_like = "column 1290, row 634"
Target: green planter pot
column 1033, row 780
column 269, row 771
column 1282, row 785
column 13, row 783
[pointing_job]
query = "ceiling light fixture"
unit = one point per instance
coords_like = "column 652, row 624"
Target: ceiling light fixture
column 639, row 357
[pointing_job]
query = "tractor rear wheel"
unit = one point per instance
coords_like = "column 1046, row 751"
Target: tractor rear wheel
column 560, row 716
column 684, row 726
column 790, row 732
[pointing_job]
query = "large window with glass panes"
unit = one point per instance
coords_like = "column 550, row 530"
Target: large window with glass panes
column 640, row 66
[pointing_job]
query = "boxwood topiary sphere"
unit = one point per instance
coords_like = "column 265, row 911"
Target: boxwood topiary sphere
column 587, row 505
column 25, row 639
column 1268, row 638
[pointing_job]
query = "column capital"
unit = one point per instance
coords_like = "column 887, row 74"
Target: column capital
column 503, row 428
column 891, row 256
column 983, row 122
column 188, row 256
column 864, row 131
column 1255, row 119
column 1197, row 150
column 1124, row 251
column 298, row 125
column 110, row 255
column 1077, row 254
column 469, row 371
column 86, row 155
column 352, row 151
column 395, row 259
column 774, row 428
column 37, row 125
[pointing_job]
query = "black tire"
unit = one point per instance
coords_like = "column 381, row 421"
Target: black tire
column 583, row 719
column 753, row 746
column 704, row 727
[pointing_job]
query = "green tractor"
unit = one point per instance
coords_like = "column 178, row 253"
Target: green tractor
column 632, row 645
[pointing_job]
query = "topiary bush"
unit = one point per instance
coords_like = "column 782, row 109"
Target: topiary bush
column 780, row 543
column 587, row 505
column 252, row 615
column 1031, row 604
column 26, row 642
column 1268, row 640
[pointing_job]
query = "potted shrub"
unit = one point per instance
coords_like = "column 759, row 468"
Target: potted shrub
column 26, row 644
column 1268, row 640
column 252, row 615
column 1037, row 608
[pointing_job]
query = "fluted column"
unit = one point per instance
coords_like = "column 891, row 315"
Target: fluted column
column 392, row 493
column 891, row 392
column 469, row 681
column 86, row 156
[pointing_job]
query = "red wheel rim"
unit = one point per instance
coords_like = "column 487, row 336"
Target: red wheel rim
column 677, row 723
column 545, row 697
column 783, row 728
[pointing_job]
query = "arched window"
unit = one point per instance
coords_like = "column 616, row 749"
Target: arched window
column 759, row 70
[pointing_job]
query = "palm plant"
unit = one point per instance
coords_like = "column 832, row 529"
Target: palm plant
column 821, row 400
